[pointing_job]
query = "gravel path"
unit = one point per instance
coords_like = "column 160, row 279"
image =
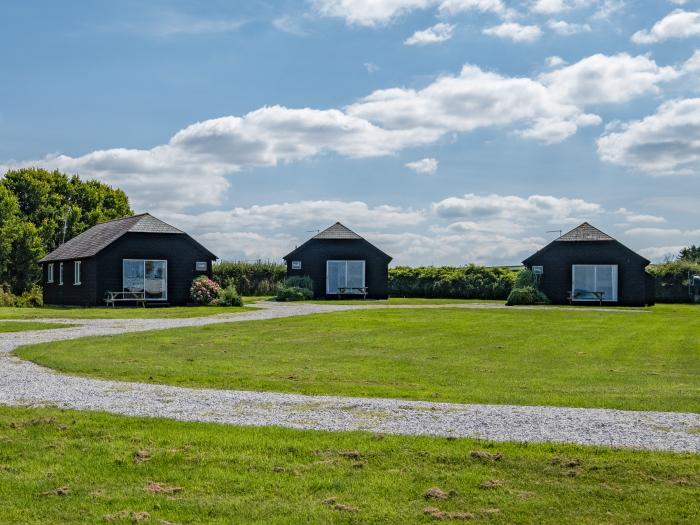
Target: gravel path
column 24, row 383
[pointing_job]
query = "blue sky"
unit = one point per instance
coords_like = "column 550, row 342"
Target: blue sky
column 446, row 131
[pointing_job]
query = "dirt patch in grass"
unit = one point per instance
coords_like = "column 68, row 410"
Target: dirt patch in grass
column 438, row 514
column 436, row 493
column 141, row 456
column 340, row 507
column 485, row 456
column 60, row 491
column 158, row 488
column 127, row 515
column 491, row 483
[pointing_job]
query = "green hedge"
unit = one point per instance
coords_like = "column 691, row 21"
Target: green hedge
column 260, row 278
column 672, row 280
column 450, row 282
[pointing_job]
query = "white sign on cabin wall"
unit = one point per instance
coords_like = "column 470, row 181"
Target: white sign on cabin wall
column 296, row 265
column 200, row 266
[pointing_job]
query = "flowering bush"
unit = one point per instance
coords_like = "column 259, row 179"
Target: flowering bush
column 204, row 291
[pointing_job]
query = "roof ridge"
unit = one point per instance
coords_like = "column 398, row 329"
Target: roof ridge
column 121, row 218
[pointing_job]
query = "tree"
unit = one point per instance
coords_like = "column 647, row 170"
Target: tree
column 39, row 210
column 52, row 200
column 690, row 254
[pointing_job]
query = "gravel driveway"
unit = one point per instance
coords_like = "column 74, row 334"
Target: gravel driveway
column 24, row 383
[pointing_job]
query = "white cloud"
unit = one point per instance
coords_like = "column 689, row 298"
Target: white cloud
column 661, row 253
column 653, row 232
column 633, row 217
column 373, row 13
column 665, row 143
column 170, row 23
column 426, row 166
column 567, row 29
column 607, row 8
column 555, row 61
column 433, row 35
column 600, row 79
column 515, row 32
column 371, row 67
column 474, row 99
column 516, row 211
column 549, row 7
column 289, row 24
column 678, row 24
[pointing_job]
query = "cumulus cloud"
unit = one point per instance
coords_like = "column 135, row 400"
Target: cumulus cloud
column 557, row 6
column 661, row 253
column 433, row 35
column 665, row 143
column 633, row 217
column 549, row 108
column 515, row 32
column 372, row 13
column 603, row 79
column 555, row 61
column 566, row 28
column 424, row 166
column 511, row 213
column 471, row 100
column 677, row 24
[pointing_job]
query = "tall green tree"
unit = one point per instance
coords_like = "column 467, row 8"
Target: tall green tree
column 690, row 254
column 39, row 209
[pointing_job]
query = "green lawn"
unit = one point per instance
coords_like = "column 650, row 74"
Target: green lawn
column 648, row 360
column 404, row 300
column 80, row 467
column 10, row 326
column 64, row 312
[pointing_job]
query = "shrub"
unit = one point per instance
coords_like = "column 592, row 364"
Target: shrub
column 204, row 291
column 293, row 293
column 296, row 281
column 526, row 295
column 230, row 297
column 462, row 282
column 29, row 299
column 672, row 280
column 260, row 278
column 525, row 278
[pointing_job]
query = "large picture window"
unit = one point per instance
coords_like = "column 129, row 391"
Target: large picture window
column 594, row 282
column 144, row 275
column 344, row 274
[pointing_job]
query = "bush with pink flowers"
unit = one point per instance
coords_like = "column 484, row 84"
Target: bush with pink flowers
column 204, row 291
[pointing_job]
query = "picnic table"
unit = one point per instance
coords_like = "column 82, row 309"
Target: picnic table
column 353, row 290
column 112, row 298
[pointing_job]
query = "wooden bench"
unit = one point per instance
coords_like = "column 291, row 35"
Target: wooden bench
column 361, row 290
column 112, row 298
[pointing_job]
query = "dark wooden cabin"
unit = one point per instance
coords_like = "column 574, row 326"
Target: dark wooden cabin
column 588, row 267
column 139, row 254
column 341, row 264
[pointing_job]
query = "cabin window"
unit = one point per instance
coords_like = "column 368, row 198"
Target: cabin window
column 594, row 282
column 60, row 274
column 49, row 273
column 344, row 274
column 76, row 273
column 146, row 276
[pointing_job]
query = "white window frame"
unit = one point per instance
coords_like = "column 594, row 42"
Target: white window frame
column 144, row 261
column 77, row 265
column 364, row 273
column 49, row 273
column 595, row 276
column 60, row 274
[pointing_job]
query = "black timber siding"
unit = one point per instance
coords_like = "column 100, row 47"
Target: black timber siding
column 104, row 271
column 69, row 293
column 634, row 286
column 314, row 254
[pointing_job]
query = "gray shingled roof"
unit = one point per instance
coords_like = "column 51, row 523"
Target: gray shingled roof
column 92, row 241
column 337, row 231
column 585, row 232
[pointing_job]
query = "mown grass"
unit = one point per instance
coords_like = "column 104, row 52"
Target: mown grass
column 76, row 467
column 647, row 360
column 10, row 326
column 65, row 312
